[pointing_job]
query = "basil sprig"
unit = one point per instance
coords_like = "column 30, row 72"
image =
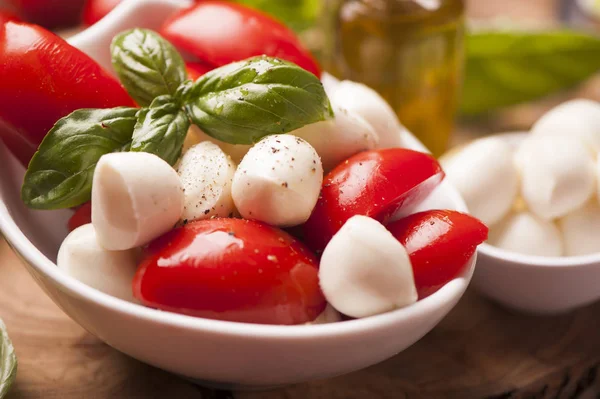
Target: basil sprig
column 507, row 67
column 8, row 361
column 61, row 171
column 239, row 103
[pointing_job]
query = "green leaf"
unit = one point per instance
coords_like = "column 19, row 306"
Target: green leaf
column 147, row 65
column 60, row 173
column 242, row 102
column 8, row 362
column 161, row 129
column 506, row 68
column 297, row 14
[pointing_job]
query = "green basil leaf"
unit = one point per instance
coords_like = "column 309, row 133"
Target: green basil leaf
column 8, row 361
column 60, row 173
column 242, row 102
column 511, row 67
column 161, row 129
column 147, row 65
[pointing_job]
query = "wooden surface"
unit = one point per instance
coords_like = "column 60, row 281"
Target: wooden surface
column 479, row 351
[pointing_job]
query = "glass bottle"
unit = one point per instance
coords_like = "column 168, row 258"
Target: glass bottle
column 411, row 52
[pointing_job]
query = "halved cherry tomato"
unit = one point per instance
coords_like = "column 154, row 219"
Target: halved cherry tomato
column 49, row 13
column 82, row 215
column 197, row 69
column 373, row 183
column 44, row 79
column 95, row 10
column 231, row 269
column 439, row 244
column 219, row 32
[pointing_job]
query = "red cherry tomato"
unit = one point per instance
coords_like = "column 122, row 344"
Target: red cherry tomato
column 49, row 13
column 43, row 78
column 372, row 183
column 231, row 269
column 218, row 33
column 197, row 69
column 95, row 10
column 6, row 16
column 82, row 216
column 439, row 244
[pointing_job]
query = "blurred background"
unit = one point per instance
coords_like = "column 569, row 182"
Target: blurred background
column 452, row 69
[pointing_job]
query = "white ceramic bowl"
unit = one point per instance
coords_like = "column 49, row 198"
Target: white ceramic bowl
column 217, row 353
column 536, row 284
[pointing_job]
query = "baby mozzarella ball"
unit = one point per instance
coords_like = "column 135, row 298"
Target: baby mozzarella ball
column 557, row 176
column 111, row 272
column 136, row 197
column 581, row 230
column 206, row 174
column 278, row 181
column 330, row 83
column 527, row 234
column 365, row 271
column 196, row 136
column 337, row 139
column 329, row 315
column 366, row 102
column 576, row 119
column 484, row 174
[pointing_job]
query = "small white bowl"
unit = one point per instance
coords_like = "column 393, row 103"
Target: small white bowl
column 216, row 353
column 536, row 284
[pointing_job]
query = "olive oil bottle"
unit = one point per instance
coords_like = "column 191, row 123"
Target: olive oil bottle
column 411, row 52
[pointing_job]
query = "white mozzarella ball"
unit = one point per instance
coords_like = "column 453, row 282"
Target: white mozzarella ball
column 329, row 315
column 557, row 175
column 366, row 102
column 195, row 136
column 527, row 234
column 206, row 174
column 575, row 119
column 581, row 230
column 278, row 181
column 330, row 83
column 484, row 174
column 136, row 197
column 365, row 271
column 338, row 139
column 111, row 272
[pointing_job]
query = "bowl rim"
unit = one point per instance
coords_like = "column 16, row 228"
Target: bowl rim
column 449, row 293
column 534, row 261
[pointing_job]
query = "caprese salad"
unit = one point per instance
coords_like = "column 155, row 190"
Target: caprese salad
column 539, row 196
column 248, row 194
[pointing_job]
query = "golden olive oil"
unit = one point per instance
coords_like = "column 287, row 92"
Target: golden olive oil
column 411, row 52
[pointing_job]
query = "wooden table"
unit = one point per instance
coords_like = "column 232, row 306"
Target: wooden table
column 479, row 351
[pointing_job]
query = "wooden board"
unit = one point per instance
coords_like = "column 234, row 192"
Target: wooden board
column 478, row 351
